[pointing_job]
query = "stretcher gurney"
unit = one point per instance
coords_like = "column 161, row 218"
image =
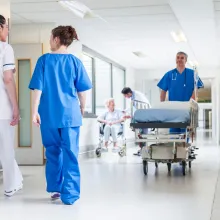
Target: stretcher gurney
column 163, row 146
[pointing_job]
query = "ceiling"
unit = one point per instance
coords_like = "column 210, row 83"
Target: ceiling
column 137, row 25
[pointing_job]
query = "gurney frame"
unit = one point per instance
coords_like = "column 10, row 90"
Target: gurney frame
column 175, row 140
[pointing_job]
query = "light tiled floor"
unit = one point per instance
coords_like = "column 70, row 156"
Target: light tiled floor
column 115, row 188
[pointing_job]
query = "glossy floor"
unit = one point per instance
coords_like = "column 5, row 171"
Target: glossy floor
column 115, row 188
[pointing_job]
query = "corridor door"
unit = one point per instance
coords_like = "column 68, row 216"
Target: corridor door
column 28, row 144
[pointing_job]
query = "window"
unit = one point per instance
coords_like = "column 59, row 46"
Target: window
column 108, row 80
column 103, row 84
column 118, row 82
column 24, row 101
column 87, row 62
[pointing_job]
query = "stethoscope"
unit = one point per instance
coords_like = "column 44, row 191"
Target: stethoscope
column 174, row 78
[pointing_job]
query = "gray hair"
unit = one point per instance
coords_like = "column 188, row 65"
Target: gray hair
column 108, row 101
column 183, row 53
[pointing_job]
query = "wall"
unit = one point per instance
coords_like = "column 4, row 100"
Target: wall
column 32, row 33
column 76, row 49
column 89, row 135
column 5, row 8
column 216, row 106
column 215, row 110
column 130, row 82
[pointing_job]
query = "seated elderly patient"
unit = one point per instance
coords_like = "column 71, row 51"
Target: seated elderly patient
column 112, row 119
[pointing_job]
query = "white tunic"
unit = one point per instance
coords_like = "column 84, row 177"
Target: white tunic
column 7, row 62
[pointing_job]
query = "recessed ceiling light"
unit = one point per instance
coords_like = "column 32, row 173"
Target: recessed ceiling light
column 139, row 54
column 178, row 36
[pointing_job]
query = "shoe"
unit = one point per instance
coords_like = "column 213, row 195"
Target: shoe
column 12, row 192
column 104, row 149
column 138, row 153
column 55, row 196
column 115, row 149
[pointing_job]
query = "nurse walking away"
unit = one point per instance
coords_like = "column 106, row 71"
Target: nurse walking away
column 9, row 114
column 179, row 83
column 59, row 83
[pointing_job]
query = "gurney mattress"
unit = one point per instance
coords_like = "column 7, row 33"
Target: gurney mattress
column 161, row 115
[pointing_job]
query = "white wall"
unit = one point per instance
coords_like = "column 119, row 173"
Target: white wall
column 130, row 82
column 215, row 110
column 217, row 105
column 32, row 33
column 76, row 49
column 5, row 8
column 89, row 135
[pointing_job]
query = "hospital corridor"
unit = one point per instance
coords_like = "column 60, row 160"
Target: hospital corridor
column 109, row 109
column 116, row 188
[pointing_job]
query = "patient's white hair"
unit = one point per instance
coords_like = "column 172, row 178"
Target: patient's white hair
column 107, row 102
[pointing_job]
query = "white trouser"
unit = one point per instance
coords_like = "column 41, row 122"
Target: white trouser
column 111, row 130
column 12, row 177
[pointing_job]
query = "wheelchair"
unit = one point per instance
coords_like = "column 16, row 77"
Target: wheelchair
column 120, row 138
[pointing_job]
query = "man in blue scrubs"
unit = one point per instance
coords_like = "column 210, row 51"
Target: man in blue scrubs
column 59, row 83
column 179, row 83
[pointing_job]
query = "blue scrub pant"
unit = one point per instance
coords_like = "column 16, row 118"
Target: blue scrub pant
column 62, row 168
column 178, row 131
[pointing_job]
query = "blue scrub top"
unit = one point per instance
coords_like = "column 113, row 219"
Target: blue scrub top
column 180, row 87
column 60, row 77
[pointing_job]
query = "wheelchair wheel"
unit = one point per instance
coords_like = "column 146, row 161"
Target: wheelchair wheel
column 145, row 167
column 98, row 152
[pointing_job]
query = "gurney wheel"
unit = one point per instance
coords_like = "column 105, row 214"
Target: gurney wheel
column 169, row 167
column 184, row 168
column 145, row 167
column 98, row 152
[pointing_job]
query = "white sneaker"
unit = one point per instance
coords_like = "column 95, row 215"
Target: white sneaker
column 55, row 196
column 104, row 149
column 12, row 192
column 115, row 149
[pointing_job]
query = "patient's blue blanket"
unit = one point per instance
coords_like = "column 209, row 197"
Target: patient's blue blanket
column 161, row 115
